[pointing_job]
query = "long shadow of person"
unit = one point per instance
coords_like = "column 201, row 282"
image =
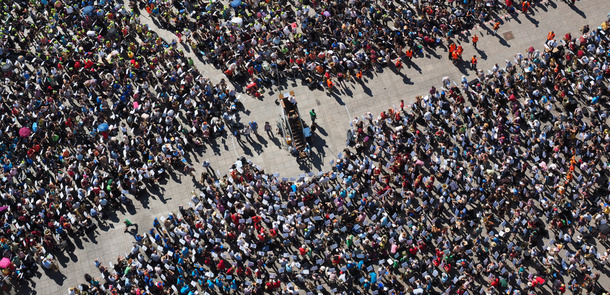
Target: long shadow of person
column 321, row 130
column 261, row 139
column 481, row 54
column 276, row 141
column 337, row 98
column 578, row 11
column 56, row 276
column 532, row 20
column 133, row 231
column 410, row 64
column 365, row 88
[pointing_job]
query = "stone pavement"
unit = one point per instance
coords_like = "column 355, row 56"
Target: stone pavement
column 335, row 112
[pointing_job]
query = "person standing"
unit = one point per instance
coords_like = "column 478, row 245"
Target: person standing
column 398, row 64
column 409, row 54
column 206, row 165
column 254, row 127
column 313, row 115
column 525, row 6
column 475, row 40
column 473, row 62
column 496, row 27
column 247, row 131
column 267, row 128
column 237, row 135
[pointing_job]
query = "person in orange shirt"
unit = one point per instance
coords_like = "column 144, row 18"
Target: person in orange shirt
column 573, row 160
column 525, row 6
column 329, row 83
column 550, row 36
column 409, row 54
column 451, row 47
column 475, row 39
column 460, row 50
column 398, row 64
column 451, row 50
column 359, row 75
column 455, row 56
column 473, row 62
column 496, row 27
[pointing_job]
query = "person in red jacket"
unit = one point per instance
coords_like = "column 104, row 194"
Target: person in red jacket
column 221, row 265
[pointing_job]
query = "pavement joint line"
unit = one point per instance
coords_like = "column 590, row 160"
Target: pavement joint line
column 234, row 148
column 349, row 116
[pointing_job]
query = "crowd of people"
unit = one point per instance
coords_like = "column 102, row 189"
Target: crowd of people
column 320, row 41
column 494, row 186
column 95, row 108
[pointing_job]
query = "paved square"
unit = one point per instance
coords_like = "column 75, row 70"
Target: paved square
column 335, row 112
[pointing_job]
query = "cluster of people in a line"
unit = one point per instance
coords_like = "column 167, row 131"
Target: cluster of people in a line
column 494, row 186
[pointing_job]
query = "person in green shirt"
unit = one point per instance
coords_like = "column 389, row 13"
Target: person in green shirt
column 313, row 115
column 128, row 224
column 350, row 241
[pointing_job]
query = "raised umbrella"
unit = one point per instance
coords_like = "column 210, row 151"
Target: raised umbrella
column 235, row 3
column 103, row 127
column 87, row 10
column 5, row 262
column 237, row 20
column 25, row 132
column 7, row 67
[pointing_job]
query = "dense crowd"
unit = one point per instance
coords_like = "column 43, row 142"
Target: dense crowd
column 95, row 107
column 494, row 186
column 260, row 42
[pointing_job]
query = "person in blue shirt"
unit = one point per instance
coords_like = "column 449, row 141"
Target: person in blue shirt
column 219, row 283
column 210, row 284
column 254, row 127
